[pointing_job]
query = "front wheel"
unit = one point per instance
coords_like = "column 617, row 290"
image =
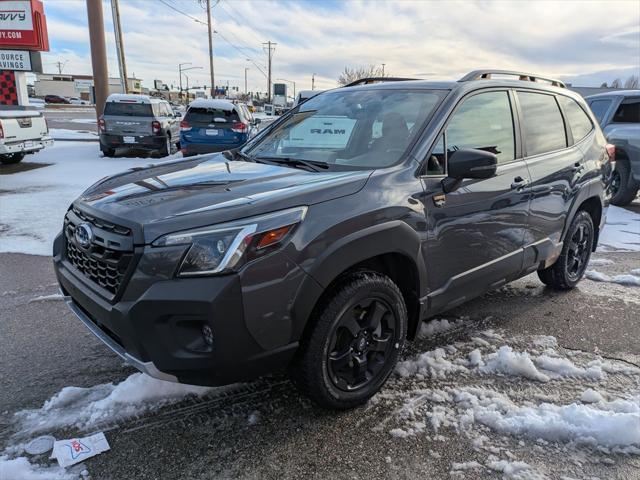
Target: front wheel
column 355, row 340
column 11, row 158
column 574, row 257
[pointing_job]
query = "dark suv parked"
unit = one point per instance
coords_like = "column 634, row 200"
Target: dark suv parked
column 322, row 243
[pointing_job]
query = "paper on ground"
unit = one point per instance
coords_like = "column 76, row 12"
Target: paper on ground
column 76, row 450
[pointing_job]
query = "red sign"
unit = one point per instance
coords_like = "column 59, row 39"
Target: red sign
column 23, row 25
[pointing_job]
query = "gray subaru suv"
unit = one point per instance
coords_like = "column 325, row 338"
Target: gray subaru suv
column 139, row 122
column 321, row 244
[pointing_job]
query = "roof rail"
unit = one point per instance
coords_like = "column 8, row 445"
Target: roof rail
column 527, row 77
column 368, row 80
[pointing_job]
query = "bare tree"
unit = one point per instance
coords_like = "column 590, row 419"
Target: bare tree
column 631, row 82
column 617, row 83
column 352, row 74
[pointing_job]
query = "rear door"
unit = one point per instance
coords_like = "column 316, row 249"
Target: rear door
column 555, row 164
column 475, row 234
column 213, row 125
column 128, row 118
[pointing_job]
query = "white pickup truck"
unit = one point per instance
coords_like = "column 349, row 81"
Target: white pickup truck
column 23, row 130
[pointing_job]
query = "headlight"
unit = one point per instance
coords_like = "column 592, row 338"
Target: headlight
column 225, row 247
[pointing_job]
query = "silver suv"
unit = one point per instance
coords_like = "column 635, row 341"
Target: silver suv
column 139, row 122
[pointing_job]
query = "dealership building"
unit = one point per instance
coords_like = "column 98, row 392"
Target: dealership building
column 79, row 86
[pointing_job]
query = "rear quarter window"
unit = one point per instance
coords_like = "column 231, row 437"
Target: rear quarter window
column 578, row 120
column 599, row 108
column 543, row 123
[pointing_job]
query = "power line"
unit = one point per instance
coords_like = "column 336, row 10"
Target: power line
column 251, row 28
column 181, row 12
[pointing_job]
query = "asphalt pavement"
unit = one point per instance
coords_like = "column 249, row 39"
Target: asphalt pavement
column 267, row 430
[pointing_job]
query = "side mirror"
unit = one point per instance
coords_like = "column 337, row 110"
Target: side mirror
column 468, row 163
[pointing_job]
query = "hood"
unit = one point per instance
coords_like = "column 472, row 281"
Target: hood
column 210, row 189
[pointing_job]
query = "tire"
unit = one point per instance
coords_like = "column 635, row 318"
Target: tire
column 623, row 188
column 569, row 268
column 108, row 152
column 11, row 158
column 167, row 149
column 357, row 334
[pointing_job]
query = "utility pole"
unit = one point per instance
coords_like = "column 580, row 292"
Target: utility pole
column 211, row 74
column 383, row 69
column 60, row 66
column 313, row 81
column 270, row 48
column 245, row 80
column 98, row 54
column 117, row 30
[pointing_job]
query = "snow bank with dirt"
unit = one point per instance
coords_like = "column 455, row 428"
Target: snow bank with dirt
column 84, row 408
column 21, row 469
column 622, row 231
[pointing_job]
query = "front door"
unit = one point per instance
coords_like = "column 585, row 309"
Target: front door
column 477, row 232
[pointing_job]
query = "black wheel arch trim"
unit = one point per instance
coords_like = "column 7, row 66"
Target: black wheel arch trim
column 351, row 250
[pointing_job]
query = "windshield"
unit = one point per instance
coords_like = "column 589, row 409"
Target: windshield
column 358, row 128
column 128, row 109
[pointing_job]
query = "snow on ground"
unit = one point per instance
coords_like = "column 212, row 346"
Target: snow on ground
column 622, row 231
column 21, row 469
column 631, row 280
column 85, row 408
column 65, row 134
column 518, row 401
column 33, row 203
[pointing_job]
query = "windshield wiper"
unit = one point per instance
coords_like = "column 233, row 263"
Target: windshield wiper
column 313, row 165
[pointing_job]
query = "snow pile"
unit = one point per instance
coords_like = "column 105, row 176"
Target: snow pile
column 591, row 396
column 21, row 468
column 514, row 470
column 434, row 327
column 85, row 408
column 621, row 232
column 430, row 364
column 508, row 362
column 632, row 280
column 65, row 134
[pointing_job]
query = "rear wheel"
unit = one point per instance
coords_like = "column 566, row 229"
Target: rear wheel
column 574, row 257
column 167, row 149
column 356, row 338
column 108, row 152
column 623, row 188
column 11, row 158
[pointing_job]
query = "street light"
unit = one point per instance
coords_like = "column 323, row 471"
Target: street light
column 245, row 79
column 294, row 86
column 180, row 70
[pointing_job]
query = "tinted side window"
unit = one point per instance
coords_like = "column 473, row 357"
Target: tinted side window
column 599, row 108
column 543, row 124
column 484, row 122
column 628, row 111
column 578, row 120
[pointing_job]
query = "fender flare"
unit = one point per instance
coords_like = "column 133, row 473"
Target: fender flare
column 389, row 237
column 595, row 190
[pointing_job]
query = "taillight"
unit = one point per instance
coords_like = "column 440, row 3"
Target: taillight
column 611, row 152
column 1, row 131
column 184, row 126
column 101, row 125
column 155, row 126
column 239, row 127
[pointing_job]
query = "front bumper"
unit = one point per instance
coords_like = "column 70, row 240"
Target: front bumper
column 26, row 146
column 155, row 322
column 145, row 367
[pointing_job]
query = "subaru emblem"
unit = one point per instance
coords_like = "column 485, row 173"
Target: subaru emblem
column 84, row 235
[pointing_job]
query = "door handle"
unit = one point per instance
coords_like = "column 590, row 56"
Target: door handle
column 519, row 183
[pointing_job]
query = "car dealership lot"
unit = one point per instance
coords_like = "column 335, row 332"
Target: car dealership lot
column 489, row 385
